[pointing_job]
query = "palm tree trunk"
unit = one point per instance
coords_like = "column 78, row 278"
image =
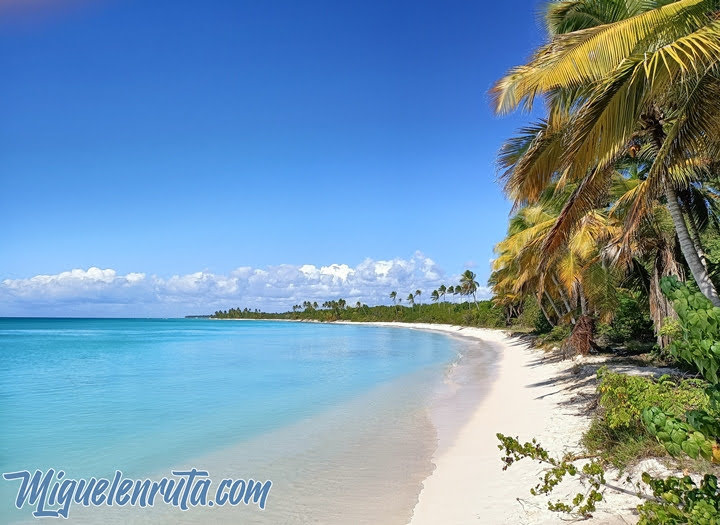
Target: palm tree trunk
column 687, row 247
column 583, row 300
column 554, row 306
column 542, row 309
column 695, row 231
column 660, row 306
column 545, row 314
column 563, row 297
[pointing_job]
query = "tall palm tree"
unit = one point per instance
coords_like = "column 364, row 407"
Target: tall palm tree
column 434, row 296
column 411, row 299
column 469, row 285
column 595, row 243
column 418, row 293
column 620, row 76
column 460, row 291
column 393, row 296
column 651, row 251
column 442, row 290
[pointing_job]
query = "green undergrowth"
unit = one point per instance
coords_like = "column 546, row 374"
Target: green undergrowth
column 617, row 432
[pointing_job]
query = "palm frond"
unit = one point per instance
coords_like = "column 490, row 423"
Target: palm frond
column 589, row 55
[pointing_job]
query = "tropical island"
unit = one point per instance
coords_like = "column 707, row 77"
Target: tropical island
column 613, row 249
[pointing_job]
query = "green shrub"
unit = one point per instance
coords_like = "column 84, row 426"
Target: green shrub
column 698, row 343
column 623, row 398
column 631, row 321
column 532, row 317
column 558, row 334
column 621, row 446
column 680, row 501
column 486, row 314
column 671, row 328
column 542, row 326
column 618, row 432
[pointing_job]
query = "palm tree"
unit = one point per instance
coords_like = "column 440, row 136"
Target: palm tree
column 589, row 266
column 460, row 291
column 620, row 77
column 516, row 270
column 575, row 272
column 418, row 293
column 654, row 248
column 469, row 285
column 434, row 296
column 450, row 290
column 442, row 290
column 393, row 296
column 411, row 299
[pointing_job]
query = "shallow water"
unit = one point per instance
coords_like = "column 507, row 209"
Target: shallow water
column 336, row 415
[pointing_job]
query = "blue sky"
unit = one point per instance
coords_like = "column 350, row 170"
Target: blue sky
column 170, row 139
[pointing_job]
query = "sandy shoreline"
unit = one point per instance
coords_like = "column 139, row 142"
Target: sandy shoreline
column 529, row 396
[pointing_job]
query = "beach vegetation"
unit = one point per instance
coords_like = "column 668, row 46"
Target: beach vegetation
column 644, row 416
column 468, row 285
column 615, row 187
column 615, row 234
column 618, row 433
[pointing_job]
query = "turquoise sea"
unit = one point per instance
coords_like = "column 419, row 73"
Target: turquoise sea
column 90, row 396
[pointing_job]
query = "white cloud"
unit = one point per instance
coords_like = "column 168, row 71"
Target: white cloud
column 100, row 292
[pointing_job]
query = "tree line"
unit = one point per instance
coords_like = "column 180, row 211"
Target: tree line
column 440, row 310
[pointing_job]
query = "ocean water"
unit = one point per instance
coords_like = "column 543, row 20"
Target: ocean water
column 320, row 409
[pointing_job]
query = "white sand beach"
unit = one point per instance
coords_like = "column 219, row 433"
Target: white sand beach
column 529, row 396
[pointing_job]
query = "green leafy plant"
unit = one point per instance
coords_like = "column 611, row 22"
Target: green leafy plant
column 592, row 473
column 698, row 340
column 623, row 397
column 677, row 436
column 697, row 343
column 671, row 328
column 680, row 501
column 558, row 334
column 631, row 321
column 617, row 432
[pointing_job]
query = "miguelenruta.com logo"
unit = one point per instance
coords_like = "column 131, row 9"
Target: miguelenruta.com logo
column 51, row 493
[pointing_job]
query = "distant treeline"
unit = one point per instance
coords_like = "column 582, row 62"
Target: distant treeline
column 482, row 313
column 442, row 310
